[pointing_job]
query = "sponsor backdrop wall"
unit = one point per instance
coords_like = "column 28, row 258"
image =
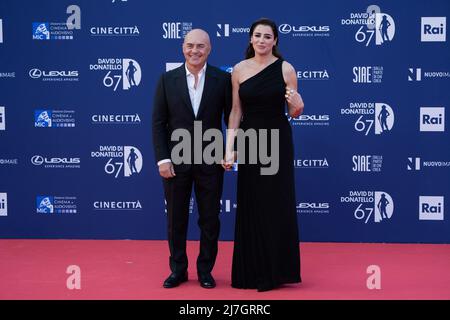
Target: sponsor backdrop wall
column 77, row 79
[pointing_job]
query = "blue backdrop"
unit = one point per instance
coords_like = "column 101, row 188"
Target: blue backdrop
column 372, row 141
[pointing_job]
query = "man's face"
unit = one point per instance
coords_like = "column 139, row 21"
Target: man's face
column 196, row 48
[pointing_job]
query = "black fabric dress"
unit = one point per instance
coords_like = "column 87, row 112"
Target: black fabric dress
column 266, row 245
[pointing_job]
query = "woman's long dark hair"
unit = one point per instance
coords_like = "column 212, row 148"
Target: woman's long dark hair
column 250, row 52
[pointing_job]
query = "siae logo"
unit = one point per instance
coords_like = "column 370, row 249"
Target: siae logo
column 367, row 163
column 176, row 30
column 367, row 74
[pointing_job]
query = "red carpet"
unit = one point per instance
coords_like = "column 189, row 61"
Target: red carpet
column 128, row 269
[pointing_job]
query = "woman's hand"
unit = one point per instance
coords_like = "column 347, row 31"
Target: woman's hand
column 228, row 161
column 295, row 102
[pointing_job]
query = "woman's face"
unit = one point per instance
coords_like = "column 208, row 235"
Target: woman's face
column 263, row 40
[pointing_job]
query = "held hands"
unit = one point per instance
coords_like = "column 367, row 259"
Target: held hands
column 166, row 170
column 230, row 158
column 295, row 102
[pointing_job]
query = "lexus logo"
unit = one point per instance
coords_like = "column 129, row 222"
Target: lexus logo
column 35, row 73
column 37, row 160
column 285, row 28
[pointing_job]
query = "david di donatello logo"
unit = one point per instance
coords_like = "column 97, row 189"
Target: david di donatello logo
column 118, row 71
column 375, row 27
column 376, row 206
column 122, row 160
column 378, row 117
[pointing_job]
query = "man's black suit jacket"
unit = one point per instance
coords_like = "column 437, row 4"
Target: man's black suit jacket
column 173, row 110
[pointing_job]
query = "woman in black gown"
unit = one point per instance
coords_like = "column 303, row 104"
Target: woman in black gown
column 266, row 245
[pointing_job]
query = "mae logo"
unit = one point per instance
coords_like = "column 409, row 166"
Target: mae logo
column 433, row 29
column 125, row 71
column 373, row 206
column 431, row 208
column 58, row 30
column 126, row 159
column 375, row 26
column 432, row 119
column 3, row 204
column 379, row 116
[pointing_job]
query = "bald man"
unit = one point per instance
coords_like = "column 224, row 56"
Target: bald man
column 196, row 91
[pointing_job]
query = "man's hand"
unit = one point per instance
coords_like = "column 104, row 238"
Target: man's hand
column 166, row 170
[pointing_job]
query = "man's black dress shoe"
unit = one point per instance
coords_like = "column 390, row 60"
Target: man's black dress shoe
column 206, row 280
column 175, row 279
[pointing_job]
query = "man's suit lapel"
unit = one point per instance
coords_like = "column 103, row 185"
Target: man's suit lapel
column 210, row 84
column 183, row 88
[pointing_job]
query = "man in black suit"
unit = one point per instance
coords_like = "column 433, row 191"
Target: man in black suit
column 196, row 91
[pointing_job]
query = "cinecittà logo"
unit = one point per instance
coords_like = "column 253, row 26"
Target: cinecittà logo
column 116, row 119
column 115, row 31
